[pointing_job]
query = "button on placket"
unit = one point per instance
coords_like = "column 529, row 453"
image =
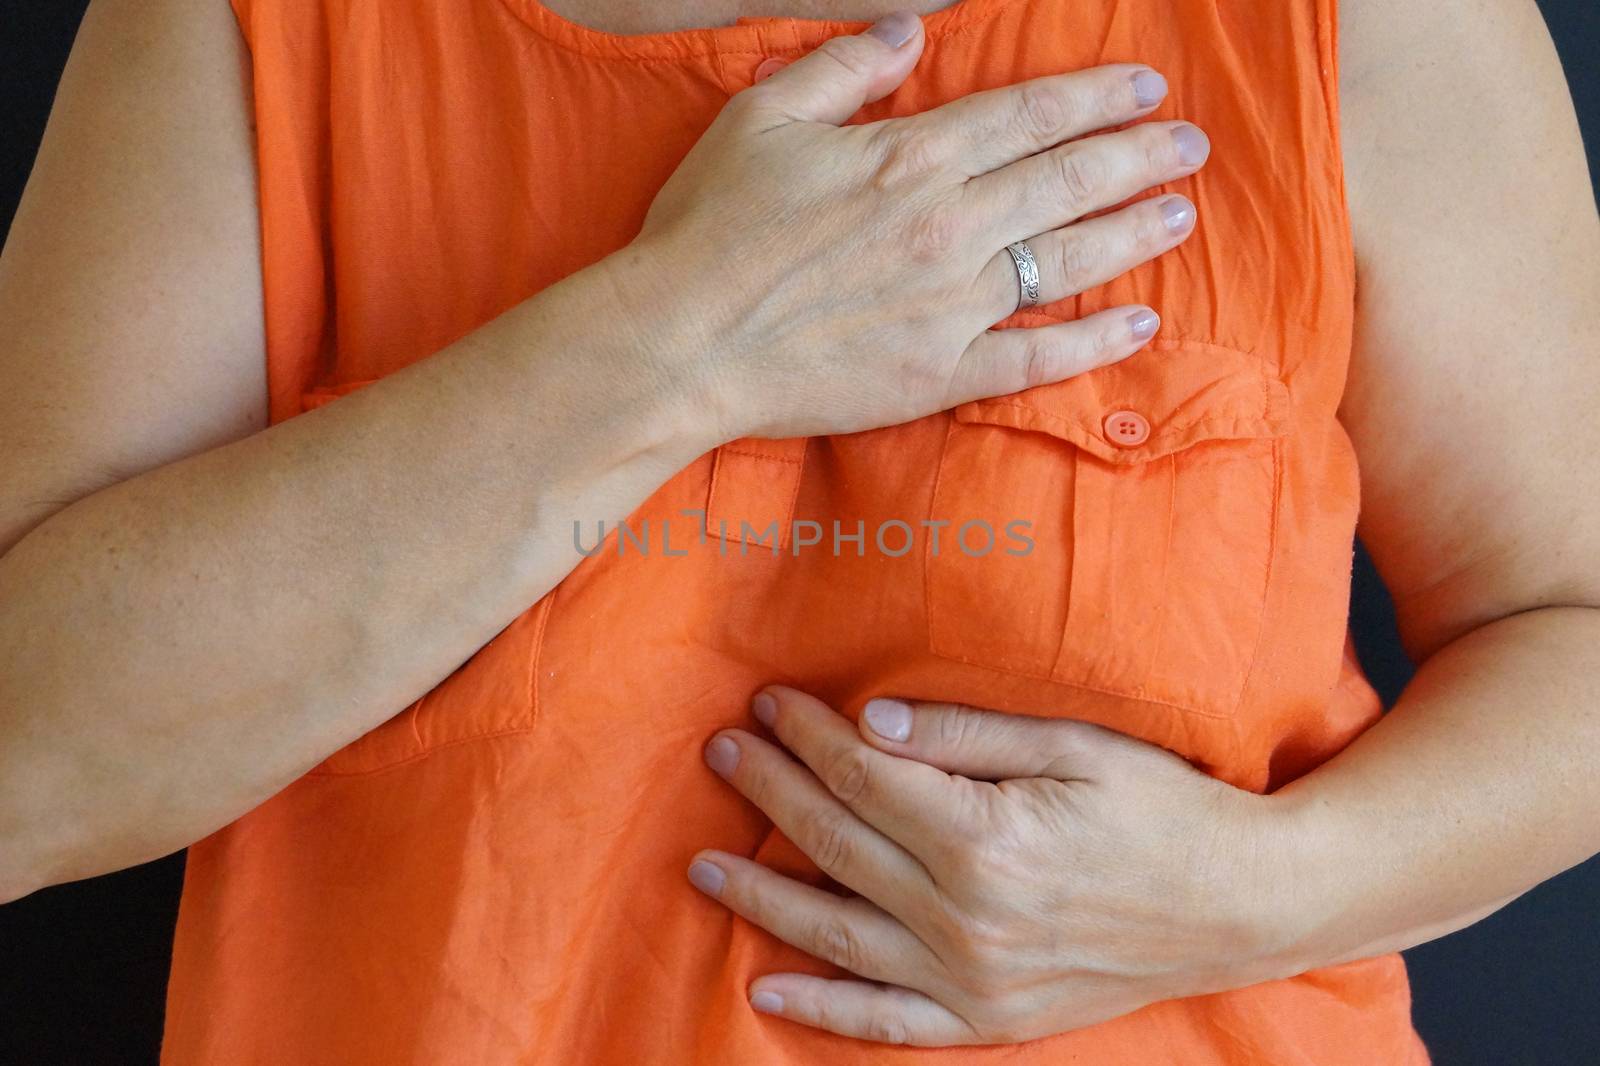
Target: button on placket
column 1127, row 429
column 768, row 67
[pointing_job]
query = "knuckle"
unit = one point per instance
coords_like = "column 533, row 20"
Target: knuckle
column 849, row 774
column 909, row 154
column 755, row 782
column 1042, row 109
column 986, row 978
column 933, row 235
column 1104, row 342
column 1079, row 175
column 1007, row 1026
column 1079, row 259
column 985, row 985
column 1112, row 93
column 966, row 858
column 1148, row 229
column 847, row 54
column 953, row 729
column 839, row 945
column 886, row 1027
column 1160, row 150
column 830, row 841
column 1039, row 360
column 966, row 930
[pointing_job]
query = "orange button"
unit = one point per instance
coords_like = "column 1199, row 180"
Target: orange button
column 1127, row 428
column 768, row 67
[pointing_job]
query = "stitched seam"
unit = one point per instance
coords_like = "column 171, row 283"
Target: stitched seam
column 1074, row 559
column 724, row 75
column 1171, row 428
column 1074, row 429
column 1166, row 566
column 1327, row 32
column 927, row 547
column 413, row 710
column 1266, row 585
column 538, row 655
column 597, row 44
column 786, row 523
column 759, row 455
column 794, row 487
column 711, row 487
column 1082, row 685
column 475, row 738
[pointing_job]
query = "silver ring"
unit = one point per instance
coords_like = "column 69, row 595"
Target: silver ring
column 1027, row 274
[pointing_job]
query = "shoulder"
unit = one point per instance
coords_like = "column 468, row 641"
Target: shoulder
column 1473, row 369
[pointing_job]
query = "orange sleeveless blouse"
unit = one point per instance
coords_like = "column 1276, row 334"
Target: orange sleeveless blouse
column 496, row 875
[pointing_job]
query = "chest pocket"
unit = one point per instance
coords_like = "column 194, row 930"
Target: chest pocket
column 491, row 694
column 1133, row 512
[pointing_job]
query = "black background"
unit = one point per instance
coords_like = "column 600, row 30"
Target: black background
column 83, row 966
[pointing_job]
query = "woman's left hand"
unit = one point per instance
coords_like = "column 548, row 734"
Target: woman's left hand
column 1017, row 876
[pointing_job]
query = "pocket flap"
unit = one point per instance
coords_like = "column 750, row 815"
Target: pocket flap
column 1159, row 400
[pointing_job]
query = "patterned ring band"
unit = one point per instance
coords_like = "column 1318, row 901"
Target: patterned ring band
column 1027, row 274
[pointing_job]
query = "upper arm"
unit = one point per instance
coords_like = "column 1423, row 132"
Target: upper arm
column 1476, row 371
column 130, row 284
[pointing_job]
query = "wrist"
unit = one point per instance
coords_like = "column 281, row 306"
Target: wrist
column 668, row 332
column 1302, row 906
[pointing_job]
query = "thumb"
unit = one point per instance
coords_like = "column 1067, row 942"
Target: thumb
column 988, row 745
column 833, row 81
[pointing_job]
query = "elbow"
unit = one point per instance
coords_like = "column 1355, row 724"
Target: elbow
column 23, row 850
column 18, row 876
column 33, row 853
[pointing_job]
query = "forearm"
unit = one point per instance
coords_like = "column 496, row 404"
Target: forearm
column 177, row 647
column 1478, row 785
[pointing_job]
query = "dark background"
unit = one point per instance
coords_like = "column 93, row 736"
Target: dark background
column 83, row 966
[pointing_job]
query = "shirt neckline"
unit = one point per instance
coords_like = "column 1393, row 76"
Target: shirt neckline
column 767, row 35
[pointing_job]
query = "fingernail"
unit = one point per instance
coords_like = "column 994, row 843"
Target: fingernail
column 769, row 66
column 707, row 877
column 1177, row 213
column 1193, row 145
column 765, row 708
column 890, row 719
column 1142, row 324
column 722, row 755
column 766, row 1002
column 1149, row 88
column 896, row 29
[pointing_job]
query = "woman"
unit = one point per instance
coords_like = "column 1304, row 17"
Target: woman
column 1115, row 791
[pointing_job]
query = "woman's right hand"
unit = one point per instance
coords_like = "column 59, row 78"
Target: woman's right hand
column 838, row 278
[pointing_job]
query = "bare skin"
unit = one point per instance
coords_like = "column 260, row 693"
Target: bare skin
column 143, row 510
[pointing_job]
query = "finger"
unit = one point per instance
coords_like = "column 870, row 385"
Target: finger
column 986, row 130
column 885, row 1013
column 852, row 933
column 1056, row 187
column 843, row 846
column 1002, row 361
column 832, row 82
column 1078, row 257
column 989, row 745
column 911, row 803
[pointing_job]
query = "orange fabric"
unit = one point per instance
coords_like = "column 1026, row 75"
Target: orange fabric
column 497, row 875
